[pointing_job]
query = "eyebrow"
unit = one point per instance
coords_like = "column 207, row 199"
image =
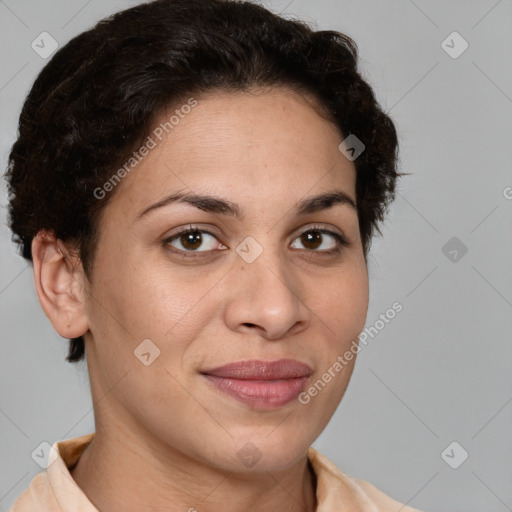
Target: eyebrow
column 222, row 206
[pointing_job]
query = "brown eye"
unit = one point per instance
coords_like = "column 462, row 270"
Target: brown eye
column 311, row 239
column 317, row 240
column 190, row 240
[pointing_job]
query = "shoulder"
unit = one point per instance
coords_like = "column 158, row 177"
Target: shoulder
column 36, row 494
column 336, row 488
column 383, row 501
column 54, row 488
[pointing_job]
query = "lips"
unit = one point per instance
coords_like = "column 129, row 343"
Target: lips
column 262, row 370
column 260, row 384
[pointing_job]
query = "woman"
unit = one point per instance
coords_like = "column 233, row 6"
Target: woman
column 197, row 183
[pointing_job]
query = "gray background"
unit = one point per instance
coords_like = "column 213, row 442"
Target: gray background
column 441, row 370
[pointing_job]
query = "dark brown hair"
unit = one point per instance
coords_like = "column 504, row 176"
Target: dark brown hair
column 96, row 99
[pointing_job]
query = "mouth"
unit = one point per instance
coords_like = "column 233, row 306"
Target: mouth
column 260, row 384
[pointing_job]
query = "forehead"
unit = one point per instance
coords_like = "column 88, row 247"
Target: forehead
column 248, row 145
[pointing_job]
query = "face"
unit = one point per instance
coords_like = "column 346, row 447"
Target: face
column 271, row 282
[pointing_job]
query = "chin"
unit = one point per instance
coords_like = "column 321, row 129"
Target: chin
column 263, row 452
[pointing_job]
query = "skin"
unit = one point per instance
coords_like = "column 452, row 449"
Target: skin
column 164, row 425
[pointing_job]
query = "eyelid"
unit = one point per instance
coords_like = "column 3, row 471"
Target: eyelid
column 212, row 230
column 301, row 230
column 324, row 228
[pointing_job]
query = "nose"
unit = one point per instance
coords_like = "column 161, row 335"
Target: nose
column 266, row 297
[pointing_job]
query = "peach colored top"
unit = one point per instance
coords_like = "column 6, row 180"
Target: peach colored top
column 54, row 490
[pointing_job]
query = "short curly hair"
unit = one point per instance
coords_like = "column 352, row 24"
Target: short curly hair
column 98, row 96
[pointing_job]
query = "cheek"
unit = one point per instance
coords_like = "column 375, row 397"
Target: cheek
column 158, row 303
column 176, row 302
column 143, row 295
column 343, row 305
column 341, row 309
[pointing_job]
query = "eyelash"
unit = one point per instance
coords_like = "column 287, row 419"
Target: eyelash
column 341, row 242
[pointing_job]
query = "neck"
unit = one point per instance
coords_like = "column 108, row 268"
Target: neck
column 121, row 473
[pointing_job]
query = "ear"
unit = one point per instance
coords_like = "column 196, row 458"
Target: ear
column 60, row 285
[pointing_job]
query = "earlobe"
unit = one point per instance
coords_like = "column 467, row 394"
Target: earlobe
column 59, row 282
